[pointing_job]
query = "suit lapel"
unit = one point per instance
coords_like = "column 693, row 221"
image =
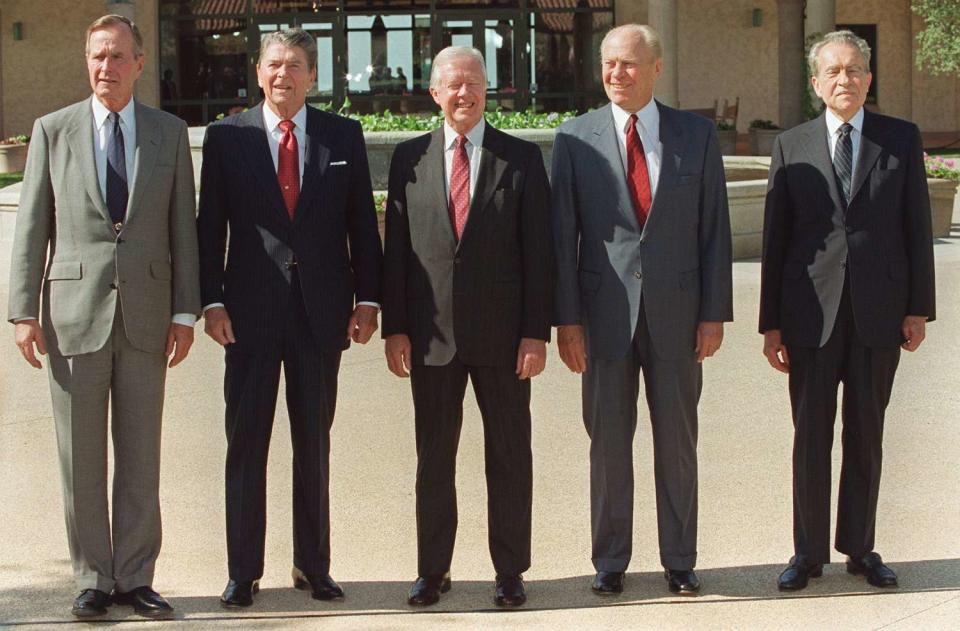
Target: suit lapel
column 818, row 150
column 492, row 166
column 80, row 139
column 869, row 153
column 145, row 155
column 315, row 161
column 430, row 173
column 671, row 136
column 257, row 152
column 605, row 139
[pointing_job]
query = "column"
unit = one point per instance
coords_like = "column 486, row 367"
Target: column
column 793, row 78
column 663, row 18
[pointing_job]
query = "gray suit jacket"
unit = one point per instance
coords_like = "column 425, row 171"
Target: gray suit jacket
column 66, row 249
column 680, row 263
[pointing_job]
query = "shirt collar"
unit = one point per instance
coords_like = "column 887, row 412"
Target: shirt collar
column 271, row 120
column 649, row 116
column 834, row 122
column 100, row 113
column 474, row 136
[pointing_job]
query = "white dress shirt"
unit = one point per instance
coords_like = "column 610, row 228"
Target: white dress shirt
column 833, row 134
column 648, row 125
column 271, row 123
column 473, row 145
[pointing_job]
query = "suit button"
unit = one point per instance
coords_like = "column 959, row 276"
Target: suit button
column 119, row 240
column 849, row 230
column 113, row 285
column 290, row 264
column 637, row 275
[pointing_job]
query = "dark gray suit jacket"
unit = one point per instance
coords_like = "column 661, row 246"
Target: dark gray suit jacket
column 882, row 241
column 478, row 297
column 680, row 263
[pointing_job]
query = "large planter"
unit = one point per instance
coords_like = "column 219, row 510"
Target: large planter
column 13, row 158
column 761, row 141
column 942, row 196
column 728, row 141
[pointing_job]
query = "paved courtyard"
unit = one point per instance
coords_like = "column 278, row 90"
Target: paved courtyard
column 745, row 519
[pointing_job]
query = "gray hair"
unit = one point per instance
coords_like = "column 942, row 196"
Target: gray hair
column 290, row 38
column 847, row 38
column 649, row 37
column 448, row 54
column 115, row 20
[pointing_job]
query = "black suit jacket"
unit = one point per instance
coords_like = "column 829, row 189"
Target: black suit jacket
column 333, row 237
column 478, row 297
column 881, row 242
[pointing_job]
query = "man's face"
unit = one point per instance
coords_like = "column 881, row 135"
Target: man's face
column 629, row 71
column 113, row 65
column 461, row 93
column 285, row 77
column 842, row 80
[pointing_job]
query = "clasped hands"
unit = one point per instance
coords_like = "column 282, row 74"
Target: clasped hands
column 531, row 356
column 360, row 328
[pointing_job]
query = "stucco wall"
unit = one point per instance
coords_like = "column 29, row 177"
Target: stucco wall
column 722, row 55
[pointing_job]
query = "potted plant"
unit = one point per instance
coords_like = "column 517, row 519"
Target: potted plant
column 13, row 153
column 727, row 135
column 943, row 174
column 762, row 133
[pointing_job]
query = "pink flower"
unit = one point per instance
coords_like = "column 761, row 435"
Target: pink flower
column 949, row 163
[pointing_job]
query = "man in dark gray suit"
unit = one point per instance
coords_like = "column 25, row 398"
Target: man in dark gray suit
column 642, row 238
column 120, row 289
column 846, row 282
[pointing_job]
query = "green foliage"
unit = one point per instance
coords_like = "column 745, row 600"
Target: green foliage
column 759, row 123
column 725, row 126
column 20, row 139
column 942, row 167
column 938, row 50
column 812, row 106
column 6, row 179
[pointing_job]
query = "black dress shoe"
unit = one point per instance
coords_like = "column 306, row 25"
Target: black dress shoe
column 872, row 566
column 798, row 573
column 322, row 587
column 510, row 592
column 606, row 583
column 426, row 590
column 239, row 594
column 683, row 582
column 145, row 602
column 91, row 602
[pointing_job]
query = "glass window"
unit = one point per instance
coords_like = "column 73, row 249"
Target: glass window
column 478, row 4
column 203, row 59
column 203, row 7
column 388, row 54
column 293, row 6
column 565, row 56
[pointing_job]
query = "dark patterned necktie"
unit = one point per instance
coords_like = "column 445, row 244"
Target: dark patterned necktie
column 460, row 186
column 843, row 160
column 117, row 191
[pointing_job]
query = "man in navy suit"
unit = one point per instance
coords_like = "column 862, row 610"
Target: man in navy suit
column 302, row 279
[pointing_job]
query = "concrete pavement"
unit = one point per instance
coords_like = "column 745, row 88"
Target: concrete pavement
column 745, row 519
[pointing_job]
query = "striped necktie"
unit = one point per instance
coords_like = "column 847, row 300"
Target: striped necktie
column 843, row 160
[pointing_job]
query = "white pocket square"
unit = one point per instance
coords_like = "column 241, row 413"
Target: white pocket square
column 339, row 163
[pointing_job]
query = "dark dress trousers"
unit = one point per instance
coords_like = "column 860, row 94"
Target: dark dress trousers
column 289, row 287
column 837, row 280
column 465, row 306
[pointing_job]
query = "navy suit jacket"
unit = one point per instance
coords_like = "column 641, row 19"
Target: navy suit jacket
column 332, row 240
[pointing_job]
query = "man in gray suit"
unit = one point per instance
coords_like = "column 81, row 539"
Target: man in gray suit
column 642, row 238
column 117, row 268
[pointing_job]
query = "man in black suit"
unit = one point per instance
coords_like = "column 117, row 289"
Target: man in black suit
column 467, row 292
column 293, row 186
column 847, row 280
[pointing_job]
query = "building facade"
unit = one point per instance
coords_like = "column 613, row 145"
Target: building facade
column 375, row 55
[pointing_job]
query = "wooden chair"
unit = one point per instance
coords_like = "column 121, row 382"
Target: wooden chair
column 729, row 112
column 706, row 112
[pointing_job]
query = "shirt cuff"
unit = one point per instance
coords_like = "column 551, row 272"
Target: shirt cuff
column 18, row 320
column 186, row 319
column 212, row 305
column 364, row 303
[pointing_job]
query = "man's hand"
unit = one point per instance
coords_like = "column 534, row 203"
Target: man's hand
column 573, row 351
column 362, row 324
column 27, row 333
column 914, row 330
column 216, row 324
column 709, row 339
column 179, row 341
column 531, row 357
column 397, row 349
column 775, row 351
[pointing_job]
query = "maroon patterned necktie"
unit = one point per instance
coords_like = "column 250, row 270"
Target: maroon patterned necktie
column 460, row 187
column 637, row 177
column 288, row 167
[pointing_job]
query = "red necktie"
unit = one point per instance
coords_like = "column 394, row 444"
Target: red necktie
column 638, row 179
column 288, row 167
column 460, row 187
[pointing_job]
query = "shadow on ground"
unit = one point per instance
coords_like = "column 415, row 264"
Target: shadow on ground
column 50, row 603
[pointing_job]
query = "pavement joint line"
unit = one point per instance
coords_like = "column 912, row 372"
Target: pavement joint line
column 917, row 613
